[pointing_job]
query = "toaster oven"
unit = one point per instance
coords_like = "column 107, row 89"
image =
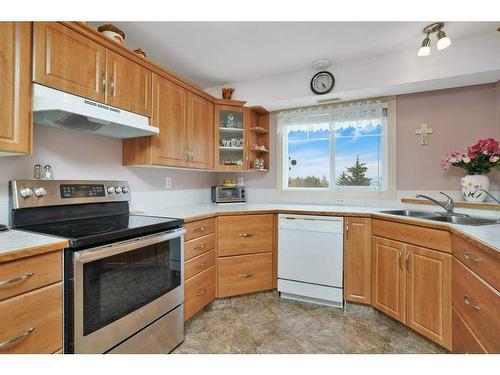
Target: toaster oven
column 228, row 194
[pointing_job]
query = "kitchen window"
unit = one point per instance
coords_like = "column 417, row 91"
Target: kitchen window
column 338, row 148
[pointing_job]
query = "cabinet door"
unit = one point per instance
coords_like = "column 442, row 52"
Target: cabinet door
column 15, row 82
column 428, row 293
column 128, row 84
column 169, row 114
column 68, row 61
column 200, row 131
column 357, row 260
column 231, row 150
column 388, row 277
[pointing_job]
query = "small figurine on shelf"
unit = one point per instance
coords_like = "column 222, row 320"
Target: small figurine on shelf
column 230, row 122
column 258, row 164
column 227, row 93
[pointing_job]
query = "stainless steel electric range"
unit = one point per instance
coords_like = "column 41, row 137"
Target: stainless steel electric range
column 123, row 273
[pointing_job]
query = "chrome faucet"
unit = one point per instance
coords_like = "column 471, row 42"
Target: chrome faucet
column 448, row 207
column 490, row 195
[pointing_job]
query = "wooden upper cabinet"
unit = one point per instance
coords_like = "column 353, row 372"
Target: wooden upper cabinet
column 169, row 114
column 128, row 85
column 357, row 260
column 388, row 277
column 68, row 61
column 428, row 291
column 200, row 132
column 230, row 125
column 15, row 94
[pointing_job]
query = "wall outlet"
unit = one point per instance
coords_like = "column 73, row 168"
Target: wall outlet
column 168, row 182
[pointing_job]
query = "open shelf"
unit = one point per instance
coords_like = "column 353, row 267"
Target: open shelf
column 259, row 150
column 259, row 170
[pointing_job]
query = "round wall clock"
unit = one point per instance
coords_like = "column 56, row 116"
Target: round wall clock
column 322, row 83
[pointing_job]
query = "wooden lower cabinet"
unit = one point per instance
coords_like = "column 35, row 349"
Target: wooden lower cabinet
column 198, row 264
column 464, row 341
column 199, row 291
column 357, row 260
column 245, row 274
column 35, row 318
column 428, row 293
column 388, row 278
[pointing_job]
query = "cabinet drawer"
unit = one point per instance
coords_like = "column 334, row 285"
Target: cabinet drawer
column 247, row 234
column 245, row 274
column 464, row 340
column 427, row 237
column 478, row 304
column 199, row 264
column 199, row 228
column 40, row 310
column 199, row 291
column 22, row 275
column 199, row 246
column 483, row 263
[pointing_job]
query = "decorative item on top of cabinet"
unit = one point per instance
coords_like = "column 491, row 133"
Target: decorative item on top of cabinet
column 186, row 130
column 16, row 126
column 112, row 32
column 357, row 259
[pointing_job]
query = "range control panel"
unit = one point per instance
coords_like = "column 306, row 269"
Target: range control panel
column 37, row 193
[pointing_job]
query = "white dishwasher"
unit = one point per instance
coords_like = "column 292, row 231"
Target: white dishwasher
column 310, row 258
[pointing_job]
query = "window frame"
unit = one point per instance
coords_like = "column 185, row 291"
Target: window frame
column 388, row 160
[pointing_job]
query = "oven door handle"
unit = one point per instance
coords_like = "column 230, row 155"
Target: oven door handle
column 105, row 251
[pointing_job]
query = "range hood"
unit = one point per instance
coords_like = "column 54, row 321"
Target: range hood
column 62, row 110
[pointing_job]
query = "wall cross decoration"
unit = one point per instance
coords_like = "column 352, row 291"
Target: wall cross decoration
column 424, row 132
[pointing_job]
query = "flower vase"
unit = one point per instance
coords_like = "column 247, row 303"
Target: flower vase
column 471, row 184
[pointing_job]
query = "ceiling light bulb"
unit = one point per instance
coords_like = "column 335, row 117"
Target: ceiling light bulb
column 443, row 40
column 425, row 50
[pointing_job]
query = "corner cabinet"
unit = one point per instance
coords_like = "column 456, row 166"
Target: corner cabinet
column 15, row 95
column 357, row 260
column 185, row 121
column 231, row 148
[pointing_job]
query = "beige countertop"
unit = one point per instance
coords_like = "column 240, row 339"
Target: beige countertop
column 488, row 235
column 18, row 244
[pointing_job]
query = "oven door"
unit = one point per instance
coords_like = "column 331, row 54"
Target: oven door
column 123, row 287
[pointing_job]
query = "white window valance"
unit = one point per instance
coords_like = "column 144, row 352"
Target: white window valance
column 322, row 118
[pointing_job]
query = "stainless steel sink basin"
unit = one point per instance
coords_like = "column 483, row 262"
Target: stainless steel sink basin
column 463, row 220
column 409, row 213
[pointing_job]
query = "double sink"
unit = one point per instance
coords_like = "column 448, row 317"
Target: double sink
column 444, row 218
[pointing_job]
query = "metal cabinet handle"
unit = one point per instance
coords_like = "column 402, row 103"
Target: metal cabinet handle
column 6, row 344
column 16, row 279
column 407, row 261
column 200, row 229
column 202, row 293
column 469, row 303
column 246, row 235
column 346, row 230
column 201, row 247
column 470, row 257
column 103, row 79
column 245, row 275
column 112, row 84
column 201, row 265
column 400, row 259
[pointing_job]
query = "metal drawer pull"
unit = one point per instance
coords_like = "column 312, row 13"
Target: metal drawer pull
column 202, row 293
column 468, row 257
column 200, row 229
column 16, row 279
column 6, row 344
column 201, row 265
column 201, row 247
column 246, row 235
column 468, row 302
column 245, row 275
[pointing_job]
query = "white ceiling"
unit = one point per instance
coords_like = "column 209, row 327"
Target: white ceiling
column 215, row 53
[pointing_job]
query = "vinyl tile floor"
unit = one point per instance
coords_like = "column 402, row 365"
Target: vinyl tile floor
column 264, row 323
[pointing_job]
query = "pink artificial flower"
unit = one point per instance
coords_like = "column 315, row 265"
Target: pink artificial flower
column 494, row 159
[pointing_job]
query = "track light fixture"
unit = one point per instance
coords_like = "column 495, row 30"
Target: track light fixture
column 442, row 43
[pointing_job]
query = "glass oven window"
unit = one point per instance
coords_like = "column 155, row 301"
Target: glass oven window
column 117, row 285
